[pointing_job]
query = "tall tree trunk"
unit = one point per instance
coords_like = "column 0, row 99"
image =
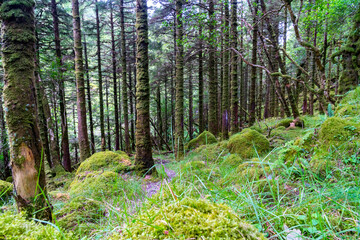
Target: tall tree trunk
column 18, row 55
column 124, row 80
column 91, row 122
column 179, row 103
column 62, row 103
column 252, row 111
column 107, row 84
column 191, row 118
column 4, row 139
column 234, row 126
column 114, row 63
column 101, row 99
column 132, row 122
column 158, row 114
column 80, row 85
column 143, row 157
column 201, row 84
column 165, row 118
column 211, row 66
column 225, row 92
column 75, row 136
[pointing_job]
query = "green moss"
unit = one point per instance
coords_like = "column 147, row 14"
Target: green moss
column 9, row 179
column 203, row 139
column 232, row 160
column 248, row 144
column 252, row 170
column 5, row 189
column 322, row 163
column 211, row 153
column 95, row 184
column 284, row 123
column 15, row 226
column 190, row 219
column 195, row 164
column 349, row 105
column 80, row 214
column 335, row 131
column 105, row 160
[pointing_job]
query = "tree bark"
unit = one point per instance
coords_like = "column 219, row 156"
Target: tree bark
column 143, row 158
column 234, row 125
column 80, row 85
column 18, row 55
column 252, row 111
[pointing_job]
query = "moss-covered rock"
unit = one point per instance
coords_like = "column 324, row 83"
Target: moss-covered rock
column 253, row 170
column 80, row 214
column 5, row 189
column 337, row 130
column 15, row 227
column 106, row 160
column 210, row 153
column 190, row 219
column 299, row 122
column 322, row 163
column 349, row 105
column 248, row 144
column 232, row 160
column 204, row 138
column 95, row 184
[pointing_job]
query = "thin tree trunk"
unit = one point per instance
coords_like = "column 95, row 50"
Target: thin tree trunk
column 64, row 127
column 158, row 113
column 234, row 126
column 201, row 84
column 191, row 120
column 226, row 80
column 114, row 63
column 101, row 99
column 18, row 54
column 252, row 109
column 80, row 85
column 4, row 140
column 75, row 145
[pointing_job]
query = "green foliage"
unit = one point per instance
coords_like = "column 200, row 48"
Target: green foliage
column 5, row 189
column 349, row 105
column 190, row 219
column 204, row 138
column 330, row 112
column 336, row 130
column 248, row 144
column 213, row 152
column 80, row 214
column 252, row 170
column 15, row 226
column 106, row 160
column 232, row 160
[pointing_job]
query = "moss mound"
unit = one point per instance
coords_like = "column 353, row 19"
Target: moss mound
column 190, row 219
column 337, row 130
column 15, row 226
column 107, row 160
column 212, row 153
column 5, row 189
column 248, row 143
column 253, row 170
column 232, row 160
column 79, row 214
column 299, row 122
column 95, row 184
column 203, row 139
column 349, row 105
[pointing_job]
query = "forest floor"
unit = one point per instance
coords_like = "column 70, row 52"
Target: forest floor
column 286, row 182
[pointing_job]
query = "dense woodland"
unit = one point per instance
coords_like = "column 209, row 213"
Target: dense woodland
column 198, row 119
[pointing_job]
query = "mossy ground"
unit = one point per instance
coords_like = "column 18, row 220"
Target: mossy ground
column 204, row 138
column 304, row 182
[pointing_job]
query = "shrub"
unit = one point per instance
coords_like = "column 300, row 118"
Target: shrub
column 248, row 143
column 15, row 226
column 203, row 139
column 190, row 219
column 105, row 160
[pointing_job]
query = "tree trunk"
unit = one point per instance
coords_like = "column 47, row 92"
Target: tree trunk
column 225, row 90
column 201, row 84
column 80, row 85
column 252, row 109
column 4, row 140
column 101, row 99
column 234, row 126
column 179, row 103
column 62, row 103
column 18, row 55
column 191, row 120
column 114, row 63
column 143, row 158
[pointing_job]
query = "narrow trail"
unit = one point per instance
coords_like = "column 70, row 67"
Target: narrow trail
column 153, row 187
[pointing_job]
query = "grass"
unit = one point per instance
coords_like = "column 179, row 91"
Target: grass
column 278, row 199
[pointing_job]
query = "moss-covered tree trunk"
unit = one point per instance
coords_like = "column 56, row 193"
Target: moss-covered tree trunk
column 159, row 115
column 60, row 78
column 88, row 92
column 124, row 81
column 132, row 120
column 179, row 102
column 4, row 139
column 80, row 85
column 234, row 126
column 191, row 118
column 114, row 69
column 101, row 98
column 201, row 83
column 18, row 55
column 212, row 123
column 225, row 82
column 253, row 69
column 143, row 158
